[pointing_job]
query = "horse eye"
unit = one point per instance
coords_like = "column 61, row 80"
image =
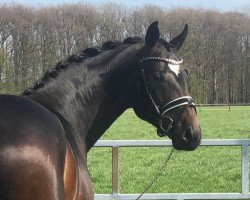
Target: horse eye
column 157, row 76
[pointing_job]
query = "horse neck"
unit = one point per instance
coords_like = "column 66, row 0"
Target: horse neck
column 83, row 103
column 119, row 99
column 75, row 107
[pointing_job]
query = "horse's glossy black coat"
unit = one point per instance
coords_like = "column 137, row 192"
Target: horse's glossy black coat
column 45, row 134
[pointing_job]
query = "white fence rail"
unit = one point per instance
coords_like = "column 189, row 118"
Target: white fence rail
column 115, row 144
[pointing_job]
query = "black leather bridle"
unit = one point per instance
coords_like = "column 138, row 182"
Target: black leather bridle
column 163, row 110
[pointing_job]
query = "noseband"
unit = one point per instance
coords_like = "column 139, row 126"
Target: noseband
column 163, row 110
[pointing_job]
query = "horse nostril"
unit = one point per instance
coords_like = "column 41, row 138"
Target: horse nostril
column 188, row 135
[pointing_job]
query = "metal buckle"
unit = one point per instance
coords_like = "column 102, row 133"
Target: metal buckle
column 163, row 130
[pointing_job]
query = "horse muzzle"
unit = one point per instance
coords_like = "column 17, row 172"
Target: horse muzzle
column 189, row 140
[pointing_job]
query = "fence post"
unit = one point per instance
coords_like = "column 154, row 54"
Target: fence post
column 115, row 170
column 244, row 170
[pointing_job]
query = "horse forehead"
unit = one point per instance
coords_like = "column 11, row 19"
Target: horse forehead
column 174, row 68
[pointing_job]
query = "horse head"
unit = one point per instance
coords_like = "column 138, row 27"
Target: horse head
column 162, row 91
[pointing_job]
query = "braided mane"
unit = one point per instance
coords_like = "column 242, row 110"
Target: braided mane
column 79, row 58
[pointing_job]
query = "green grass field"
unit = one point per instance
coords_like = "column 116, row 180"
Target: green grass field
column 208, row 169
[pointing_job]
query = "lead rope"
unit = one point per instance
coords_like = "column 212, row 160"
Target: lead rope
column 158, row 174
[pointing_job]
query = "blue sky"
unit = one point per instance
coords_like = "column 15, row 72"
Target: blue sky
column 222, row 5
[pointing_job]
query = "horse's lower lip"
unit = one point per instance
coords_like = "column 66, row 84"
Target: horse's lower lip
column 185, row 148
column 179, row 144
column 191, row 146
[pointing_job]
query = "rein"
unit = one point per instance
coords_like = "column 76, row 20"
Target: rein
column 157, row 175
column 163, row 110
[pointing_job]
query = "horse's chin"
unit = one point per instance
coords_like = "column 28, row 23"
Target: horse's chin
column 179, row 143
column 186, row 146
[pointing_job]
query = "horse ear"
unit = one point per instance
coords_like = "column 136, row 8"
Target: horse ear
column 178, row 40
column 152, row 35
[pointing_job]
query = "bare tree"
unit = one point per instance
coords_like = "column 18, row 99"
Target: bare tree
column 216, row 52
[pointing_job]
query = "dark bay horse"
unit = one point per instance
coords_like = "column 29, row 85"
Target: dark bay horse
column 46, row 132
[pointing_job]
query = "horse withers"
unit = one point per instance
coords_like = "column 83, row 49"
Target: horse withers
column 46, row 132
